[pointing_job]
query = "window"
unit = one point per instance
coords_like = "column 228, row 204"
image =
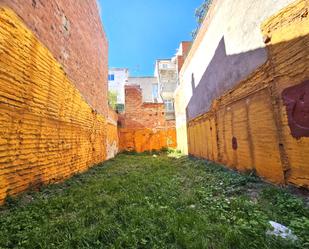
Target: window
column 155, row 92
column 169, row 105
column 111, row 77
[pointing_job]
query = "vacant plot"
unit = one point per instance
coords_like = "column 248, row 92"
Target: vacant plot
column 147, row 201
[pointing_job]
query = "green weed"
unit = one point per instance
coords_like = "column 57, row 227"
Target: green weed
column 154, row 201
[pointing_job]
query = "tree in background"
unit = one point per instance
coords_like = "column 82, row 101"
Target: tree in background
column 200, row 14
column 112, row 99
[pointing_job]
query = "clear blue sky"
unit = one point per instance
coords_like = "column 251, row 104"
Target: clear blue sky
column 141, row 31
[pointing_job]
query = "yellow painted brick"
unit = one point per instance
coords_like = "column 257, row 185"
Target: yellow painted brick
column 253, row 112
column 47, row 130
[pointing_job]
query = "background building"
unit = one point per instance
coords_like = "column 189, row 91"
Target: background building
column 143, row 125
column 149, row 87
column 166, row 73
column 117, row 79
column 181, row 54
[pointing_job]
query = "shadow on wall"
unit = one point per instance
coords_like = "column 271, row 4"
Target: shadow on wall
column 261, row 124
column 222, row 73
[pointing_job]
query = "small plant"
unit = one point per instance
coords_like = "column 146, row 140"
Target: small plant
column 200, row 14
column 112, row 99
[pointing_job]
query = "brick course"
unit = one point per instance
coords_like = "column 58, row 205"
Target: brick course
column 248, row 127
column 139, row 114
column 143, row 126
column 48, row 132
column 72, row 31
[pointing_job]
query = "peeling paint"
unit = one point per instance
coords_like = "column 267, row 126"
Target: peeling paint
column 296, row 99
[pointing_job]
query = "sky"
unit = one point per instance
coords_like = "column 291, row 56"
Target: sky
column 141, row 31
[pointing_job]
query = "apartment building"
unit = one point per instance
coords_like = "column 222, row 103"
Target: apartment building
column 166, row 71
column 117, row 79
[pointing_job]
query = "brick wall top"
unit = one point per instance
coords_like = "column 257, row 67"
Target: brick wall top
column 185, row 50
column 186, row 45
column 73, row 32
column 142, row 115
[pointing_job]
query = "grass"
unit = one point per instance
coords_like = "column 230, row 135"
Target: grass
column 147, row 201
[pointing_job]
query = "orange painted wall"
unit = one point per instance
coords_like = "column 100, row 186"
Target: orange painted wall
column 252, row 118
column 48, row 132
column 144, row 139
column 72, row 30
column 143, row 127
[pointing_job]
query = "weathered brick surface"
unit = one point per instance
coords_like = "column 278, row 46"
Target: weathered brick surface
column 139, row 114
column 48, row 131
column 181, row 58
column 73, row 32
column 112, row 145
column 248, row 127
column 145, row 139
column 143, row 126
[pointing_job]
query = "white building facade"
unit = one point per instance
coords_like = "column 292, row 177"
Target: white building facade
column 167, row 75
column 149, row 86
column 117, row 79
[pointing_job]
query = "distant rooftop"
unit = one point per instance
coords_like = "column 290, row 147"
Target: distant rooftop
column 118, row 68
column 141, row 77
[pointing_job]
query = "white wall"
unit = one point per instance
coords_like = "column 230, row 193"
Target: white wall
column 120, row 80
column 231, row 49
column 146, row 85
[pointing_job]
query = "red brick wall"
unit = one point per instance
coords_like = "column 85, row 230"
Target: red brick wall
column 139, row 114
column 185, row 50
column 143, row 126
column 72, row 31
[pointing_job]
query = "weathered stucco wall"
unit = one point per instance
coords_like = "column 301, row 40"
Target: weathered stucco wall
column 228, row 47
column 48, row 131
column 73, row 32
column 262, row 123
column 143, row 127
